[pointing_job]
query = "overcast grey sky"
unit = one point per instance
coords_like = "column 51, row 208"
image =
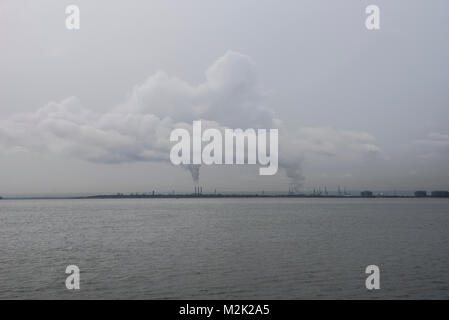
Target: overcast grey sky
column 89, row 110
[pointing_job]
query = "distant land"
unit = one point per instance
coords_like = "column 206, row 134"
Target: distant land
column 199, row 194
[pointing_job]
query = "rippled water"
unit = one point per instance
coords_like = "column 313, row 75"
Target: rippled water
column 224, row 248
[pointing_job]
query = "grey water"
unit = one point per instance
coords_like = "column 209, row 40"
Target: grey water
column 225, row 248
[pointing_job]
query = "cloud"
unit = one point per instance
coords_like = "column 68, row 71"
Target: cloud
column 436, row 140
column 336, row 142
column 433, row 146
column 138, row 129
column 228, row 94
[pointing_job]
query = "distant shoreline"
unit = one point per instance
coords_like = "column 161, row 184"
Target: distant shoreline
column 217, row 196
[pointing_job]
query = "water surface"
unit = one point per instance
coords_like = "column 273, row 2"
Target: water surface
column 224, row 248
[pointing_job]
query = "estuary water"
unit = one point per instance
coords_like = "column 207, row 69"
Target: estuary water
column 224, row 248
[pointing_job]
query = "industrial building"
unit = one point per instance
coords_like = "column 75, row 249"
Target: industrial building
column 420, row 193
column 366, row 194
column 440, row 194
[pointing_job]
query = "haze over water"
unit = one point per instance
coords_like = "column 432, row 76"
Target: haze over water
column 224, row 248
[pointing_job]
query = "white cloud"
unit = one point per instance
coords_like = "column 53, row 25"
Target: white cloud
column 435, row 139
column 138, row 129
column 432, row 146
column 336, row 142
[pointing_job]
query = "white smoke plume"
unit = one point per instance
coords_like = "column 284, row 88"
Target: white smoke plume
column 138, row 129
column 194, row 170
